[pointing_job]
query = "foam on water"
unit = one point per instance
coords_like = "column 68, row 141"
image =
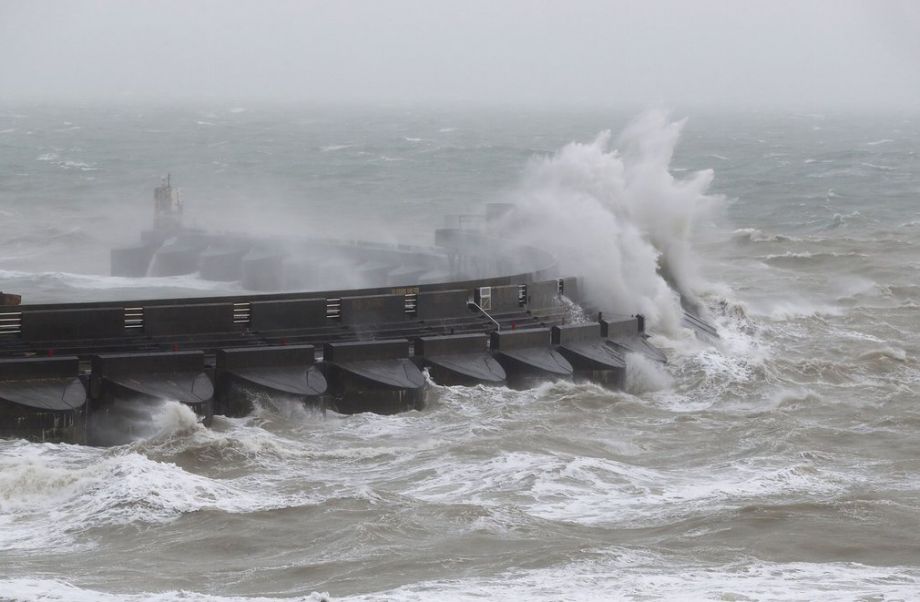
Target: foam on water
column 599, row 491
column 53, row 590
column 644, row 375
column 626, row 574
column 754, row 235
column 616, row 574
column 53, row 494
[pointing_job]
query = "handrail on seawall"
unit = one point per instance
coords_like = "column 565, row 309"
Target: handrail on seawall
column 498, row 326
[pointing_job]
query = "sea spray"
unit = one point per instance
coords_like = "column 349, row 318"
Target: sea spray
column 644, row 375
column 619, row 219
column 136, row 420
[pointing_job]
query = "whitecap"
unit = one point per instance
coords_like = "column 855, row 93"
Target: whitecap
column 33, row 589
column 876, row 166
column 753, row 235
column 50, row 495
column 638, row 574
column 644, row 375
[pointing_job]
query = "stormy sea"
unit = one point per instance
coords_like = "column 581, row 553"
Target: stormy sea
column 779, row 462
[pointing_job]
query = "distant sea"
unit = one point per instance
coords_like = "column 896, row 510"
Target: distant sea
column 781, row 462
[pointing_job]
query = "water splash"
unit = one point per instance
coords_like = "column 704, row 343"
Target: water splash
column 620, row 218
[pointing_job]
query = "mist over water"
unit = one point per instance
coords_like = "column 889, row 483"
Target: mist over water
column 778, row 463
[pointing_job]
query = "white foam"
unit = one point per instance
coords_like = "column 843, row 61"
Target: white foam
column 168, row 419
column 48, row 590
column 574, row 313
column 54, row 493
column 794, row 307
column 617, row 216
column 756, row 235
column 877, row 166
column 627, row 574
column 644, row 375
column 885, row 352
column 614, row 574
column 597, row 490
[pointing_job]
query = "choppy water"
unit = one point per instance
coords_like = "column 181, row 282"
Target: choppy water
column 781, row 464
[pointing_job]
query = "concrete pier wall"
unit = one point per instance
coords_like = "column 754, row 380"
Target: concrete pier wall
column 348, row 350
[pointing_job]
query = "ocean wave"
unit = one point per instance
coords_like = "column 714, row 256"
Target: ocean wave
column 264, row 442
column 808, row 258
column 782, row 310
column 603, row 491
column 636, row 574
column 841, row 219
column 878, row 167
column 785, row 398
column 620, row 573
column 884, row 353
column 55, row 159
column 26, row 589
column 644, row 375
column 53, row 494
column 836, row 173
column 755, row 235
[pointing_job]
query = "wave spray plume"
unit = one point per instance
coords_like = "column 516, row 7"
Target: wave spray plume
column 620, row 219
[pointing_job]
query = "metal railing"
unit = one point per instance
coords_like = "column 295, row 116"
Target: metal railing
column 486, row 314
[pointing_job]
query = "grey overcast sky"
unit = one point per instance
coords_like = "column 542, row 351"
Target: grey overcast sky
column 701, row 52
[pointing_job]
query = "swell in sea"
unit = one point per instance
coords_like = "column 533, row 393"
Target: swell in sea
column 777, row 463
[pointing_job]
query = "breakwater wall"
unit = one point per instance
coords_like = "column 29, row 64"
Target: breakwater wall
column 79, row 372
